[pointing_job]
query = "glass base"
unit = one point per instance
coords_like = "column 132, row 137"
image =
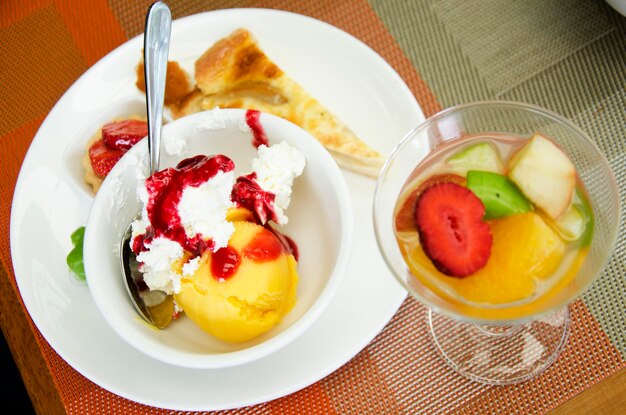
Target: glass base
column 500, row 354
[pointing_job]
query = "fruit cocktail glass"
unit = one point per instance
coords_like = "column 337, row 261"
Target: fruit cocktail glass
column 511, row 342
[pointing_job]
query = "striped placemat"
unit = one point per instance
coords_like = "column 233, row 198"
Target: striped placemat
column 568, row 56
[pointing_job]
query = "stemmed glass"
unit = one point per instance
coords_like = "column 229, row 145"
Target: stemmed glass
column 507, row 343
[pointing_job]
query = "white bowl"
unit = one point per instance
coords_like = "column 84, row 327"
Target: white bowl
column 320, row 222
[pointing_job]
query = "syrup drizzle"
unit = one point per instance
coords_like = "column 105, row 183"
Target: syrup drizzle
column 267, row 245
column 258, row 133
column 224, row 263
column 248, row 194
column 165, row 189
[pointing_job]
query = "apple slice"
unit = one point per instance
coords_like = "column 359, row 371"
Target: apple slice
column 481, row 156
column 577, row 221
column 544, row 174
column 571, row 224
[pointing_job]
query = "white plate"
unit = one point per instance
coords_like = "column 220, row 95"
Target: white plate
column 51, row 200
column 618, row 5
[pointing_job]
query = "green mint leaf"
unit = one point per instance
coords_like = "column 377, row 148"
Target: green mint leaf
column 75, row 257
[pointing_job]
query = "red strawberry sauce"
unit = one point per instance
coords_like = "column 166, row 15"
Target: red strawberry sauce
column 224, row 263
column 264, row 247
column 288, row 244
column 248, row 194
column 252, row 119
column 267, row 245
column 165, row 189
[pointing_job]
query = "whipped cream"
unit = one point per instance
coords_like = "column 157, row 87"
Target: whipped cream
column 276, row 167
column 214, row 119
column 174, row 145
column 202, row 209
column 157, row 262
column 191, row 266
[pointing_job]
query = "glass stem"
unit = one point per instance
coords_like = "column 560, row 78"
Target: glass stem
column 499, row 330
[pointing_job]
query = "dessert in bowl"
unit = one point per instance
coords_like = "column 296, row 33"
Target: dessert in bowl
column 497, row 215
column 284, row 272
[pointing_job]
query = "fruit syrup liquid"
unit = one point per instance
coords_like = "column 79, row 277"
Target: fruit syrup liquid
column 434, row 164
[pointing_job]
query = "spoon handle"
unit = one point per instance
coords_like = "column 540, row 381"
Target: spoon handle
column 155, row 51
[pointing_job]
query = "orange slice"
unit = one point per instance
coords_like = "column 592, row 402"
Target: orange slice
column 524, row 249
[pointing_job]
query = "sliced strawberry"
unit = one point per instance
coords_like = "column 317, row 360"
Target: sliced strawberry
column 122, row 135
column 103, row 158
column 451, row 229
column 405, row 219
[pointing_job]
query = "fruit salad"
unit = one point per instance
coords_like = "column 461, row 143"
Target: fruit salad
column 494, row 221
column 208, row 244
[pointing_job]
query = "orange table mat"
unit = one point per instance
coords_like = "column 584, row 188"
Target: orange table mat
column 46, row 44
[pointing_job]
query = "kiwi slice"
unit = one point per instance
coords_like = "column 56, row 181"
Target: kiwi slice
column 576, row 224
column 498, row 193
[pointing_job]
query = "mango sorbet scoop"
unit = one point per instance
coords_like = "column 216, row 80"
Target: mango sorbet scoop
column 244, row 289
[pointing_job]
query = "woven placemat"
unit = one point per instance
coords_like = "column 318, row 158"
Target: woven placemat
column 445, row 51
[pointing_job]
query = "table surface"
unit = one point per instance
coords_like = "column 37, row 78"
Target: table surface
column 444, row 63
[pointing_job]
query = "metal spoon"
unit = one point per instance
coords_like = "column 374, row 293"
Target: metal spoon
column 155, row 52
